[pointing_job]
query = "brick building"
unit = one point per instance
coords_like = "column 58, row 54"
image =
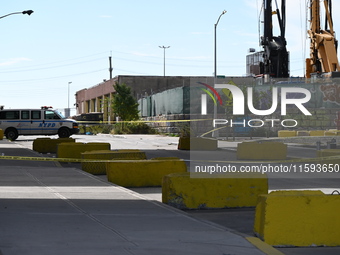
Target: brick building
column 148, row 90
column 97, row 98
column 173, row 98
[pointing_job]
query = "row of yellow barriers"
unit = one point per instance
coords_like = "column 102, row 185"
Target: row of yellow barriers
column 282, row 218
column 294, row 133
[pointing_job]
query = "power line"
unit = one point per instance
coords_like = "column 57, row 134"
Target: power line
column 51, row 78
column 51, row 67
column 195, row 59
column 56, row 62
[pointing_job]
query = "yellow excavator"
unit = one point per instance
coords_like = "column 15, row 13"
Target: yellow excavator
column 323, row 44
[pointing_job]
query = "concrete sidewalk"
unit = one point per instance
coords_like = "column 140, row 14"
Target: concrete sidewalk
column 53, row 210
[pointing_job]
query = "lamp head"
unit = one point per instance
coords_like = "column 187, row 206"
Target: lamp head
column 29, row 12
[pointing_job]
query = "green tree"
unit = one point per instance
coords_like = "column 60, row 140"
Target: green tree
column 124, row 104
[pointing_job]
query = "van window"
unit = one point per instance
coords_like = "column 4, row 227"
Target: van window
column 9, row 115
column 50, row 115
column 36, row 115
column 25, row 115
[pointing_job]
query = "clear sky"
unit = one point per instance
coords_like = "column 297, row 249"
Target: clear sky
column 70, row 41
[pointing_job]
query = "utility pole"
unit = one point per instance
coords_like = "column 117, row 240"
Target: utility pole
column 163, row 47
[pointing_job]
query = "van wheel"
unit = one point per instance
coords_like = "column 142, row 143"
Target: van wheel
column 64, row 132
column 11, row 134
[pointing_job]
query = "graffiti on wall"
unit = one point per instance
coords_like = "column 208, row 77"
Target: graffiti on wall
column 331, row 93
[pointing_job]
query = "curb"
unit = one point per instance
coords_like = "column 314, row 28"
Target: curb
column 266, row 248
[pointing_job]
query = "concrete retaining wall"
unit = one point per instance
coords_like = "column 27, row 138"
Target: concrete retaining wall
column 142, row 173
column 233, row 190
column 262, row 151
column 74, row 150
column 298, row 218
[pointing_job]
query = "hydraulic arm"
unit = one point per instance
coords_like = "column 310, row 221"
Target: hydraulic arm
column 323, row 44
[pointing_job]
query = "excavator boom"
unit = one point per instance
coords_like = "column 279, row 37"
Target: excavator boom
column 323, row 44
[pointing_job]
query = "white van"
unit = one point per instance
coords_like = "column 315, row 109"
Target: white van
column 44, row 121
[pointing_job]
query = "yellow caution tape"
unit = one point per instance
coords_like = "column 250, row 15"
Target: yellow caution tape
column 139, row 121
column 74, row 160
column 211, row 131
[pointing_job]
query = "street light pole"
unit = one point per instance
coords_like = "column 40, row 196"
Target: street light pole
column 68, row 110
column 28, row 12
column 163, row 47
column 215, row 55
column 68, row 95
column 215, row 133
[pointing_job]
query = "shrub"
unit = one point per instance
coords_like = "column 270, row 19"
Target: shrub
column 133, row 128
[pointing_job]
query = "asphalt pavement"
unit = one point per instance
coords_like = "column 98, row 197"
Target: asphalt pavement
column 46, row 209
column 52, row 192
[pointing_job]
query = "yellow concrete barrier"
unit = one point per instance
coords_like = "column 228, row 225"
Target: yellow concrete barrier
column 330, row 133
column 298, row 218
column 116, row 154
column 302, row 133
column 328, row 153
column 197, row 143
column 262, row 151
column 166, row 158
column 228, row 190
column 1, row 134
column 48, row 145
column 316, row 132
column 286, row 133
column 100, row 167
column 142, row 173
column 74, row 150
